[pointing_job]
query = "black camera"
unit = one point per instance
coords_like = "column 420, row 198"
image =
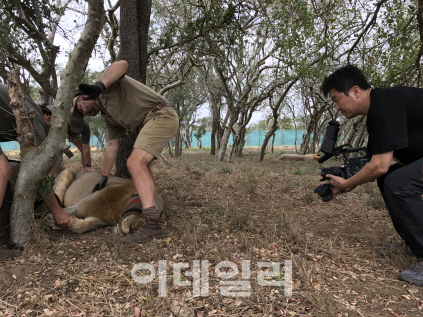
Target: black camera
column 350, row 167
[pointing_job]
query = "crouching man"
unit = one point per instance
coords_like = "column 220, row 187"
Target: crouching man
column 395, row 127
column 128, row 104
column 8, row 133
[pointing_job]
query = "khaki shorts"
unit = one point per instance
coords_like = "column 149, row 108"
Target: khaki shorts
column 157, row 130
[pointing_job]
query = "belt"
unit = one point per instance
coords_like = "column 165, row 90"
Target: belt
column 157, row 108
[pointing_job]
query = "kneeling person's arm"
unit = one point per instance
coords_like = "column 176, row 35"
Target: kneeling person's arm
column 61, row 217
column 109, row 161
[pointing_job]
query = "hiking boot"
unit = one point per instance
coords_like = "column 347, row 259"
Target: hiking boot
column 6, row 254
column 152, row 230
column 413, row 275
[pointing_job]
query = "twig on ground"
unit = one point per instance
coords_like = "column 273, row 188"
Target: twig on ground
column 7, row 304
column 349, row 307
column 75, row 306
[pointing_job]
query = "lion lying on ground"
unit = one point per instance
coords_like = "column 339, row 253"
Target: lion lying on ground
column 88, row 210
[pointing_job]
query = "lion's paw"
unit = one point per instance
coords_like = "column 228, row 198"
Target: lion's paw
column 131, row 222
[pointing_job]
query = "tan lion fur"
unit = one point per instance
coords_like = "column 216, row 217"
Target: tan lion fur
column 89, row 210
column 62, row 182
column 298, row 157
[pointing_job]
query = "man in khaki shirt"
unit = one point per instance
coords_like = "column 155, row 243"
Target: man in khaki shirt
column 127, row 104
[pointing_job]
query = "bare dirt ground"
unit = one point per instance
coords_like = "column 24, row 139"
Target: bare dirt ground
column 342, row 257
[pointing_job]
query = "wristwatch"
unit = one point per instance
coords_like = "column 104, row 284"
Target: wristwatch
column 88, row 165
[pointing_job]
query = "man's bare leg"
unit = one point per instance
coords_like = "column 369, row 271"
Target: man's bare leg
column 5, row 202
column 139, row 168
column 5, row 172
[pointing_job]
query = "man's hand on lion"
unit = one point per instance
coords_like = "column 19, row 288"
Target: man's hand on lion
column 62, row 219
column 101, row 183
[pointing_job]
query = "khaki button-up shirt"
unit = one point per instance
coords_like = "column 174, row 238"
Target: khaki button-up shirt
column 125, row 104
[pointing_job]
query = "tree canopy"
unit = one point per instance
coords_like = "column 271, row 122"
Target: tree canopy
column 234, row 59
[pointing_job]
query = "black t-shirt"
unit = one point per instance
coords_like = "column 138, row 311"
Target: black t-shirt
column 395, row 122
column 85, row 134
column 8, row 121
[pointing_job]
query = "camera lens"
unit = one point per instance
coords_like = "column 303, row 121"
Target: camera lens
column 334, row 170
column 330, row 138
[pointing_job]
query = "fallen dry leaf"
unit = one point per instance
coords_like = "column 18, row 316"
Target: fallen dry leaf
column 392, row 312
column 136, row 312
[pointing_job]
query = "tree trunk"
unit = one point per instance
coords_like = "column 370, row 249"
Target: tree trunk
column 213, row 141
column 100, row 141
column 216, row 125
column 172, row 145
column 45, row 98
column 134, row 25
column 178, row 144
column 231, row 153
column 272, row 130
column 21, row 224
column 221, row 131
column 169, row 146
column 361, row 135
column 226, row 134
column 38, row 160
column 267, row 137
column 241, row 144
column 125, row 148
column 183, row 139
column 240, row 141
column 355, row 133
column 224, row 144
column 188, row 137
column 306, row 137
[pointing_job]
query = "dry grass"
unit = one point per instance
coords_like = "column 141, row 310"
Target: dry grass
column 244, row 210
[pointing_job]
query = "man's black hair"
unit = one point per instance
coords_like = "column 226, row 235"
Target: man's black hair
column 44, row 109
column 343, row 79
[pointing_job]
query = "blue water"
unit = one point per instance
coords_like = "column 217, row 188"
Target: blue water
column 254, row 138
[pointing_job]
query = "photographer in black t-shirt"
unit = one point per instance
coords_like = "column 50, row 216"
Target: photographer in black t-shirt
column 395, row 127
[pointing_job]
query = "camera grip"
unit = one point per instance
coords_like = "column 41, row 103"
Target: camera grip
column 324, row 191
